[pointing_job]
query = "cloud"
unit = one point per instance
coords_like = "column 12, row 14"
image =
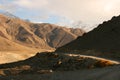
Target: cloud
column 87, row 11
column 31, row 4
column 6, row 6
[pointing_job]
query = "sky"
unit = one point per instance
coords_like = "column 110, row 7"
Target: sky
column 75, row 13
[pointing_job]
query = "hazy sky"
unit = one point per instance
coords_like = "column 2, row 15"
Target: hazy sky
column 65, row 12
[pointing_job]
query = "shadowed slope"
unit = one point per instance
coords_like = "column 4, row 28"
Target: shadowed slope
column 102, row 40
column 56, row 36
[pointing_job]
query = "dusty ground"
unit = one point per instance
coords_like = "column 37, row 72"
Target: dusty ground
column 108, row 73
column 13, row 56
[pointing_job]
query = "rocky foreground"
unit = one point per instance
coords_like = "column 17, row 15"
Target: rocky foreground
column 108, row 73
column 53, row 66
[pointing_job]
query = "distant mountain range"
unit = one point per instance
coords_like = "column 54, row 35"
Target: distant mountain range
column 7, row 14
column 17, row 34
column 102, row 41
column 56, row 36
column 21, row 39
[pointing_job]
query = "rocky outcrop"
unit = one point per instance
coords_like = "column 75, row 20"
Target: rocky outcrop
column 48, row 62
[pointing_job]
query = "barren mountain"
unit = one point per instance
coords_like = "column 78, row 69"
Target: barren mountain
column 17, row 42
column 20, row 32
column 42, row 36
column 56, row 36
column 20, row 36
column 102, row 41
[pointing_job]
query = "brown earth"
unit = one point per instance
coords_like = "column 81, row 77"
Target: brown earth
column 27, row 38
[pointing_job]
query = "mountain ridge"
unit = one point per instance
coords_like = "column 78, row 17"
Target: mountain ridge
column 103, row 40
column 27, row 38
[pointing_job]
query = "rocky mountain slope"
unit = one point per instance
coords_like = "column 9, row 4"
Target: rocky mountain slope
column 102, row 41
column 42, row 36
column 25, row 39
column 19, row 32
column 56, row 36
